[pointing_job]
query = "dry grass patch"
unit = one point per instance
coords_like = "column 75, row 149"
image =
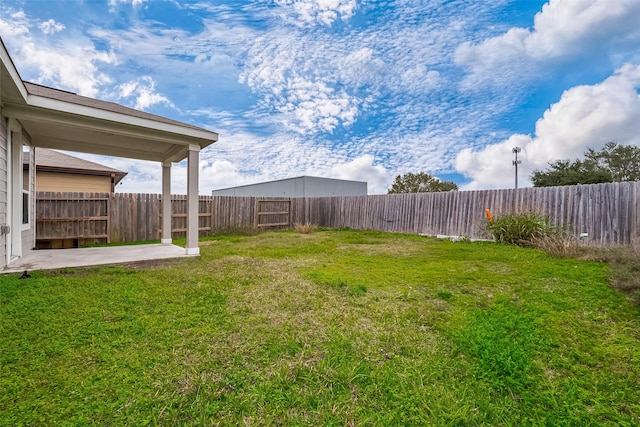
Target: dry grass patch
column 558, row 244
column 411, row 248
column 307, row 228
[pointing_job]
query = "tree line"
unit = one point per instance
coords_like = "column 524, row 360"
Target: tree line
column 612, row 163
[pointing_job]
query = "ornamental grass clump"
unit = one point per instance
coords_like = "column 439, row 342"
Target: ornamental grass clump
column 519, row 229
column 559, row 243
column 305, row 228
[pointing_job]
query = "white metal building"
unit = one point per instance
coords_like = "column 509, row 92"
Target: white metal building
column 302, row 186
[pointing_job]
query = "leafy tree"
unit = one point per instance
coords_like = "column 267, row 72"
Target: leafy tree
column 564, row 172
column 420, row 182
column 622, row 161
column 613, row 163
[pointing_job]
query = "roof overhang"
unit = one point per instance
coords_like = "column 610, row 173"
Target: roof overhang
column 66, row 121
column 65, row 126
column 11, row 86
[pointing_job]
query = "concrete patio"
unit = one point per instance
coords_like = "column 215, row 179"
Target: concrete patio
column 50, row 259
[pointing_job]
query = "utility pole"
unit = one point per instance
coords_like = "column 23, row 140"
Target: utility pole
column 516, row 162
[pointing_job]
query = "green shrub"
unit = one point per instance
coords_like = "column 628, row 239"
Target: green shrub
column 519, row 229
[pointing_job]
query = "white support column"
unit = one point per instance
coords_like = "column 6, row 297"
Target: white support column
column 9, row 213
column 166, row 204
column 193, row 158
column 14, row 176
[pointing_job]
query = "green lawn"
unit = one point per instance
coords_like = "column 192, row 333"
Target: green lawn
column 334, row 328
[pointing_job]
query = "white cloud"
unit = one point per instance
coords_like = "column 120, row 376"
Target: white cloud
column 325, row 12
column 76, row 70
column 313, row 106
column 567, row 27
column 562, row 31
column 292, row 75
column 492, row 166
column 314, row 82
column 362, row 169
column 51, row 27
column 73, row 68
column 143, row 91
column 318, row 82
column 14, row 29
column 419, row 79
column 219, row 174
column 134, row 3
column 585, row 117
column 213, row 173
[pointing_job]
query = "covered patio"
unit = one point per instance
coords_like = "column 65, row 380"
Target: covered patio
column 41, row 116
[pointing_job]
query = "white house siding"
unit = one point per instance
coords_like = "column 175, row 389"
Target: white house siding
column 3, row 187
column 27, row 235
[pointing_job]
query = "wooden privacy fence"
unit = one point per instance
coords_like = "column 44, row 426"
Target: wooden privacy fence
column 76, row 219
column 83, row 216
column 607, row 213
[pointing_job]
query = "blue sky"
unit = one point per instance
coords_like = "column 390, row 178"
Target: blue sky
column 352, row 89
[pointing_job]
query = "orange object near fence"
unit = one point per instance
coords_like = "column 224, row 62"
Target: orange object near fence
column 489, row 216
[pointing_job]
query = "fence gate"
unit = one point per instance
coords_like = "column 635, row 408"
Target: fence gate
column 179, row 206
column 272, row 213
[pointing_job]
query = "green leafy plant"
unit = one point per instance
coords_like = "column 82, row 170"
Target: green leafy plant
column 519, row 229
column 504, row 342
